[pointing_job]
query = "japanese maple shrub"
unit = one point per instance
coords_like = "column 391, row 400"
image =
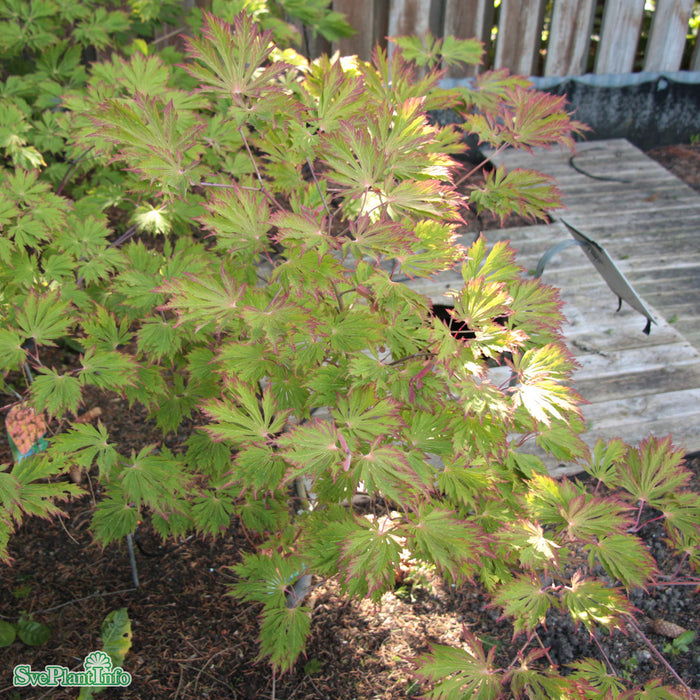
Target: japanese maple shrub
column 268, row 214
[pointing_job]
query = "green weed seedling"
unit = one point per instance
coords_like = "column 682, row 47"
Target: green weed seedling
column 29, row 631
column 681, row 644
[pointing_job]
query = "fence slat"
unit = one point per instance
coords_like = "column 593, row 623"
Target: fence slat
column 695, row 60
column 468, row 19
column 360, row 15
column 519, row 35
column 667, row 36
column 409, row 17
column 570, row 37
column 622, row 23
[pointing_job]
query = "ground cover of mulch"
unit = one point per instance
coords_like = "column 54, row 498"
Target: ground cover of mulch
column 683, row 160
column 192, row 640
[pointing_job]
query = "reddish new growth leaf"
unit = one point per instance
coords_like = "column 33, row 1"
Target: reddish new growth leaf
column 591, row 602
column 461, row 673
column 315, row 448
column 234, row 60
column 204, row 299
column 239, row 219
column 416, row 381
column 526, row 118
column 526, row 600
column 654, row 471
column 431, row 51
column 242, row 416
column 333, row 95
column 378, row 238
column 153, row 139
column 527, row 192
column 490, row 88
column 307, row 229
column 370, row 555
column 536, row 310
column 386, row 471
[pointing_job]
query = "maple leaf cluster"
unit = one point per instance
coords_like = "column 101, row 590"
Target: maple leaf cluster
column 243, row 260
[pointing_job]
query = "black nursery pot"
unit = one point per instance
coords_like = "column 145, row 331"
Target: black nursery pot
column 647, row 109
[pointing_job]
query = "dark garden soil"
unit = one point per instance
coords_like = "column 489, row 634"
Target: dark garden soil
column 682, row 160
column 192, row 640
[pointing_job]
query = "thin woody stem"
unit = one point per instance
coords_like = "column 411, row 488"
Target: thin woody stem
column 71, row 170
column 605, row 656
column 264, row 189
column 660, row 656
column 318, row 188
column 500, row 149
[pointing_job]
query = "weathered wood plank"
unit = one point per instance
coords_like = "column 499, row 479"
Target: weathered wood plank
column 634, row 255
column 615, row 155
column 658, row 407
column 570, row 37
column 642, row 383
column 636, row 259
column 586, row 165
column 622, row 22
column 584, row 284
column 617, row 172
column 652, row 198
column 690, row 331
column 648, row 186
column 613, row 332
column 589, row 336
column 595, row 220
column 669, row 27
column 695, row 60
column 409, row 17
column 636, row 385
column 595, row 363
column 360, row 14
column 668, row 294
column 681, row 310
column 519, row 35
column 636, row 428
column 468, row 19
column 649, row 192
column 682, row 432
column 677, row 286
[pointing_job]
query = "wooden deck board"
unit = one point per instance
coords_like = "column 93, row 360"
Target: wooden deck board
column 634, row 385
column 652, row 215
column 601, row 364
column 605, row 388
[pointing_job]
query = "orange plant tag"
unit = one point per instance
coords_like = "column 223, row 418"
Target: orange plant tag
column 25, row 427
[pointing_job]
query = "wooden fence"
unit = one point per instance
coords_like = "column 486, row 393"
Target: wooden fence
column 538, row 37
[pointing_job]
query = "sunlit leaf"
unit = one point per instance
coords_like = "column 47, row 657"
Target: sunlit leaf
column 526, row 600
column 461, row 673
column 589, row 601
column 653, row 470
column 625, row 558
